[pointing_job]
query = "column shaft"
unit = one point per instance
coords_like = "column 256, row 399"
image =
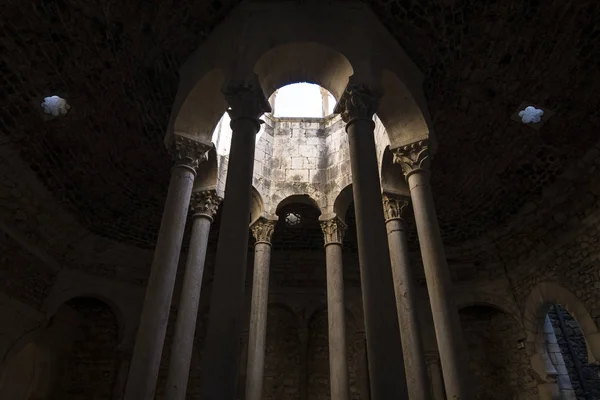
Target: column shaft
column 414, row 160
column 437, row 381
column 204, row 204
column 220, row 363
column 404, row 285
column 145, row 362
column 221, row 356
column 386, row 366
column 336, row 313
column 262, row 231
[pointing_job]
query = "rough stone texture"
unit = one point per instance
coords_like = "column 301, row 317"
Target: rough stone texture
column 91, row 366
column 500, row 368
column 86, row 191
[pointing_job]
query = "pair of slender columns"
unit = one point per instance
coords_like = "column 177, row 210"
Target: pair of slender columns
column 204, row 206
column 415, row 161
column 220, row 363
column 145, row 362
column 386, row 367
column 406, row 303
column 333, row 231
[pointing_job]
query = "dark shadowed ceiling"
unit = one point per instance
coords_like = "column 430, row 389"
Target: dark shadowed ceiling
column 116, row 62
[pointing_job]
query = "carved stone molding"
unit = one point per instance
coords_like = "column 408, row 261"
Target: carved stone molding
column 358, row 102
column 188, row 152
column 205, row 203
column 394, row 206
column 246, row 101
column 413, row 157
column 333, row 230
column 262, row 230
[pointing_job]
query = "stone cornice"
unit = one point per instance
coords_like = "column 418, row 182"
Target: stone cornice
column 358, row 102
column 262, row 230
column 205, row 203
column 394, row 206
column 246, row 101
column 187, row 152
column 413, row 157
column 333, row 231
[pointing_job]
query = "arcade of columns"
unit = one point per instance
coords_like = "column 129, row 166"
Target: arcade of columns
column 397, row 368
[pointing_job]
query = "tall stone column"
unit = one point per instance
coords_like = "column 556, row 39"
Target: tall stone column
column 143, row 372
column 406, row 303
column 435, row 374
column 204, row 206
column 386, row 367
column 221, row 357
column 262, row 231
column 334, row 230
column 414, row 160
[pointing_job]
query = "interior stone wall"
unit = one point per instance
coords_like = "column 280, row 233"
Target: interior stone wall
column 91, row 365
column 500, row 369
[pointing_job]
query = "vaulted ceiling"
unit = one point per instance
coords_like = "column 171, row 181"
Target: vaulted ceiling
column 116, row 62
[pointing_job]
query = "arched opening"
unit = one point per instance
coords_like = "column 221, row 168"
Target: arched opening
column 298, row 227
column 539, row 330
column 496, row 358
column 576, row 377
column 73, row 357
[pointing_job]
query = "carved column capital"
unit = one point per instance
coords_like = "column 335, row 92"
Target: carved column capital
column 394, row 206
column 205, row 203
column 413, row 157
column 187, row 152
column 246, row 101
column 358, row 102
column 262, row 230
column 333, row 231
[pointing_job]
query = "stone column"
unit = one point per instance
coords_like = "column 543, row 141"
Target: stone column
column 334, row 230
column 435, row 374
column 386, row 367
column 406, row 303
column 141, row 382
column 414, row 160
column 262, row 231
column 204, row 205
column 225, row 320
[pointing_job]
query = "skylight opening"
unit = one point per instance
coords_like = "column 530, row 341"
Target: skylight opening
column 302, row 100
column 298, row 100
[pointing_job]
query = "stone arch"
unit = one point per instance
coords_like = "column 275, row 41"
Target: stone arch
column 207, row 177
column 303, row 62
column 298, row 199
column 392, row 177
column 200, row 109
column 342, row 202
column 257, row 206
column 494, row 337
column 409, row 125
column 325, row 43
column 537, row 304
column 502, row 304
column 54, row 303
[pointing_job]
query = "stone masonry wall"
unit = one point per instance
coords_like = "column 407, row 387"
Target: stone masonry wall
column 500, row 368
